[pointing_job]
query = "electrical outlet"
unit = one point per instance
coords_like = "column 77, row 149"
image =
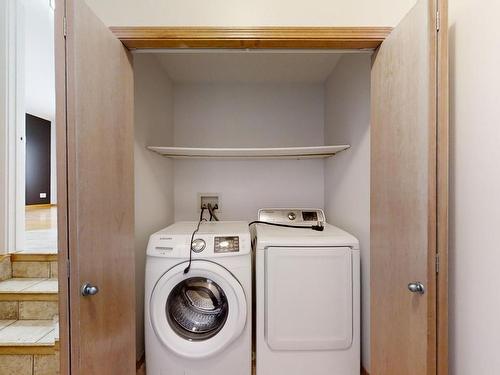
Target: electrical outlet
column 43, row 195
column 204, row 199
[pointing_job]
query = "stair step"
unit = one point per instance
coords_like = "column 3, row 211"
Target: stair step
column 24, row 337
column 44, row 288
column 34, row 264
column 28, row 298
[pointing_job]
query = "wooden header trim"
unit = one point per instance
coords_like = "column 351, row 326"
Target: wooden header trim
column 252, row 37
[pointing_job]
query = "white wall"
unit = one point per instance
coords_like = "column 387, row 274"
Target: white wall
column 253, row 13
column 347, row 175
column 154, row 199
column 3, row 127
column 246, row 186
column 475, row 182
column 39, row 67
column 39, row 59
column 246, row 115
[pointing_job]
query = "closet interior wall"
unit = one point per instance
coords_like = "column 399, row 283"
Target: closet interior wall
column 247, row 114
column 247, row 100
column 154, row 187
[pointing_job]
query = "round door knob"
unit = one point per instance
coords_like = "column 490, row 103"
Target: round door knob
column 89, row 290
column 416, row 287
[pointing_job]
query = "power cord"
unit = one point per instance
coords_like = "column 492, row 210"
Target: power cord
column 211, row 210
column 318, row 227
column 186, row 270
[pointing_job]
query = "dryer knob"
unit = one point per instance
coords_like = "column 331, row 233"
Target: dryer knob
column 198, row 245
column 292, row 216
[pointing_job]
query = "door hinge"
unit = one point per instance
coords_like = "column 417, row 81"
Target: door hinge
column 65, row 27
column 437, row 263
column 438, row 20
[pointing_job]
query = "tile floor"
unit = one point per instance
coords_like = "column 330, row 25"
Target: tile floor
column 27, row 332
column 29, row 285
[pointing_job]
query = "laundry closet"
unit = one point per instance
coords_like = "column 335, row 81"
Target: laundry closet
column 292, row 100
column 317, row 119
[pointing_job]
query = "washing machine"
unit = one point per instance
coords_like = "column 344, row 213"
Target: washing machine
column 307, row 295
column 199, row 322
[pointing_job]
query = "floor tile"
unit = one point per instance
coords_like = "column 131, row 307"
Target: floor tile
column 49, row 338
column 25, row 332
column 45, row 365
column 45, row 286
column 18, row 284
column 9, row 310
column 16, row 364
column 5, row 268
column 30, row 310
column 31, row 269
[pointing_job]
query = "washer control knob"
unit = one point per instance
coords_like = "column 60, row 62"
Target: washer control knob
column 292, row 216
column 198, row 245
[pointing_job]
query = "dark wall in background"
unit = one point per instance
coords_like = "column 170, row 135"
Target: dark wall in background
column 37, row 160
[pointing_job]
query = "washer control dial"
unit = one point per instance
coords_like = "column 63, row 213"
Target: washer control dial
column 292, row 216
column 198, row 245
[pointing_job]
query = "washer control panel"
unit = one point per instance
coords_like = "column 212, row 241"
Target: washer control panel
column 226, row 244
column 213, row 239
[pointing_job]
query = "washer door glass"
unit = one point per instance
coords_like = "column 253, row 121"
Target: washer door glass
column 197, row 308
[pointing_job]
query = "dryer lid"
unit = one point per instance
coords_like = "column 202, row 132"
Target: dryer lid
column 331, row 236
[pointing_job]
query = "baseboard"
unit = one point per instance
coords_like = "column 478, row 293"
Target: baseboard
column 364, row 372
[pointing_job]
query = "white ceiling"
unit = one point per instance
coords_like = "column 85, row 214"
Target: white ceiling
column 291, row 67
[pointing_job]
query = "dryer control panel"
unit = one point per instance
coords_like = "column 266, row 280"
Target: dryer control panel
column 295, row 216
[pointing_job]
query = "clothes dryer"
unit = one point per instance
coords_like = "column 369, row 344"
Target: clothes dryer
column 307, row 295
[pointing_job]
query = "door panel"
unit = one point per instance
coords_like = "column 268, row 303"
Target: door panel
column 404, row 196
column 100, row 188
column 303, row 313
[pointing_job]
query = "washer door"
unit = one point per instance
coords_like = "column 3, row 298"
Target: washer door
column 198, row 314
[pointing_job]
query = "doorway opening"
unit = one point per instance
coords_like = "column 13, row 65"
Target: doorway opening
column 40, row 224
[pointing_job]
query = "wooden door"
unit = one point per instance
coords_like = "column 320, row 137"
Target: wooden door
column 95, row 108
column 408, row 193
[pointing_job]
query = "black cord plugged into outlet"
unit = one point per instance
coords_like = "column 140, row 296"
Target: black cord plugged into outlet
column 211, row 210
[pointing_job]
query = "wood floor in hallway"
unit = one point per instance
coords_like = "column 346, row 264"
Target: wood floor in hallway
column 40, row 230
